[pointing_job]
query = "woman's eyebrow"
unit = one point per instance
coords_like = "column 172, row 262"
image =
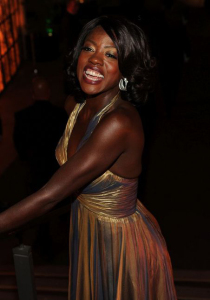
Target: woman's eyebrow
column 110, row 47
column 94, row 43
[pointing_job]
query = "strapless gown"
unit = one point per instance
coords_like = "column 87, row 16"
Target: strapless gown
column 117, row 251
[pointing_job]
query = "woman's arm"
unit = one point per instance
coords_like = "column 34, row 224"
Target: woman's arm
column 108, row 141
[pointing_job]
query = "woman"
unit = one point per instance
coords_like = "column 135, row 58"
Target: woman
column 117, row 251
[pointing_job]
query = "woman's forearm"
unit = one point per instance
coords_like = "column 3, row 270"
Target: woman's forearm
column 56, row 189
column 31, row 207
column 61, row 185
column 87, row 163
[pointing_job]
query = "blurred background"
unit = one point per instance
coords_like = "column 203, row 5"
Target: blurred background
column 35, row 38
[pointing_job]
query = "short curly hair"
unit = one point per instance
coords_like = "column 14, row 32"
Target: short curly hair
column 134, row 58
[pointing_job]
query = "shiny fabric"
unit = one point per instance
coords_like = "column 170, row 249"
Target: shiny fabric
column 117, row 251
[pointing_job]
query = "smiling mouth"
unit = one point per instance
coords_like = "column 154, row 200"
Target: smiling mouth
column 93, row 75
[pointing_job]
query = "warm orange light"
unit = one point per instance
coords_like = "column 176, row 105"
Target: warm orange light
column 20, row 17
column 6, row 73
column 72, row 7
column 11, row 25
column 14, row 27
column 12, row 59
column 1, row 79
column 17, row 53
column 3, row 46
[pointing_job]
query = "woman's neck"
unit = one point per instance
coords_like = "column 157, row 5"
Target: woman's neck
column 97, row 102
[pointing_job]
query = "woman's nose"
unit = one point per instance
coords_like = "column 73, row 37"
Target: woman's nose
column 96, row 59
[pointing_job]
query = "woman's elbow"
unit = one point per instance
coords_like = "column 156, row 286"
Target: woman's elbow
column 51, row 196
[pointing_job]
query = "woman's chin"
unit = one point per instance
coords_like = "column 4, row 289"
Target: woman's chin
column 91, row 89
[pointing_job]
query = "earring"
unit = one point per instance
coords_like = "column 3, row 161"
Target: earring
column 123, row 84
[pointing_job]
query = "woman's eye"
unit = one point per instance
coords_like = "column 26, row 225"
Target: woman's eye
column 85, row 48
column 111, row 55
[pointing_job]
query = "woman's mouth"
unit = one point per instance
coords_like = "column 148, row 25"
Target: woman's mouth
column 93, row 75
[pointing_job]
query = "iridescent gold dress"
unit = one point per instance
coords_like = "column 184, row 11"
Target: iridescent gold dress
column 117, row 251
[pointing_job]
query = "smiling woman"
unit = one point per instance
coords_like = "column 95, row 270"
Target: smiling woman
column 117, row 251
column 97, row 67
column 130, row 49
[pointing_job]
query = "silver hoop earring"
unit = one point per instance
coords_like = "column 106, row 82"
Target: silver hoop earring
column 123, row 84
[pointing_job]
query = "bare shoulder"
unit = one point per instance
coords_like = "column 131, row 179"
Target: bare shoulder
column 120, row 132
column 124, row 116
column 69, row 104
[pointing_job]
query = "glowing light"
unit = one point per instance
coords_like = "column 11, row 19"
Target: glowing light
column 11, row 21
column 72, row 7
column 3, row 46
column 1, row 79
column 49, row 30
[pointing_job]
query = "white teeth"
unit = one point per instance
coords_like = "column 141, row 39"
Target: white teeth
column 92, row 78
column 93, row 73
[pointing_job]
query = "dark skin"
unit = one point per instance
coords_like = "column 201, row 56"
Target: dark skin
column 116, row 143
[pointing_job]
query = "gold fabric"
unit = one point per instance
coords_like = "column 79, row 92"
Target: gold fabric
column 117, row 251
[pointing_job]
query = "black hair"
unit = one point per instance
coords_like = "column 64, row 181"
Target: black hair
column 135, row 62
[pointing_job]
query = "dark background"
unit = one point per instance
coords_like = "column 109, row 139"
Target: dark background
column 174, row 184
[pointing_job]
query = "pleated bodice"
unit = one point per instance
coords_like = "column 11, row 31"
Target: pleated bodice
column 110, row 195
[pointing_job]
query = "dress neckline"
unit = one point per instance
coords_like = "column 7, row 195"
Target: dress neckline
column 99, row 114
column 103, row 110
column 75, row 113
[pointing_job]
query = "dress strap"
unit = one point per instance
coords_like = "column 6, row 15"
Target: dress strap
column 107, row 107
column 95, row 120
column 72, row 118
column 70, row 125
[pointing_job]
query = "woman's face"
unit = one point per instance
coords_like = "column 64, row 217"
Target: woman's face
column 97, row 67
